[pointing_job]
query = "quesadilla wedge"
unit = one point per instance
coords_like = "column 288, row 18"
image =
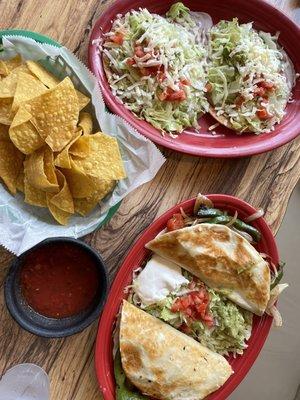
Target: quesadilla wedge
column 221, row 258
column 207, row 280
column 164, row 363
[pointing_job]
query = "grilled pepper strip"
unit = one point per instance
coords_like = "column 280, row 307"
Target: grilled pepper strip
column 205, row 212
column 242, row 226
column 238, row 224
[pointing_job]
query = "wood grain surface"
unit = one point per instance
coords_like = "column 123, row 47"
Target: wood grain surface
column 265, row 181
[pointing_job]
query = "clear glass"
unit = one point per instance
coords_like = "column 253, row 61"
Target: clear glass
column 25, row 382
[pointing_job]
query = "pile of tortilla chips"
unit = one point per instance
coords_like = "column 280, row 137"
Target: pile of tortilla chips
column 48, row 149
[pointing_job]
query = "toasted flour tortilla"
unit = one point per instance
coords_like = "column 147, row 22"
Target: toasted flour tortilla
column 222, row 259
column 164, row 363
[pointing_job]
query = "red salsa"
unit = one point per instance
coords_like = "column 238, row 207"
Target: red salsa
column 59, row 280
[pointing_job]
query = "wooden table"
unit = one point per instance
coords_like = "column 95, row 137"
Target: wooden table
column 265, row 181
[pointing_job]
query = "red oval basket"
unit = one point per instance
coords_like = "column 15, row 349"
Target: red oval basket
column 137, row 254
column 225, row 143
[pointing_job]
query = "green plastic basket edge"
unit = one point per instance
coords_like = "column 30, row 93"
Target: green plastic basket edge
column 45, row 39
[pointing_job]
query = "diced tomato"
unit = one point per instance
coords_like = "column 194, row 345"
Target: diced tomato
column 118, row 38
column 172, row 95
column 145, row 71
column 139, row 51
column 185, row 302
column 176, row 306
column 259, row 91
column 266, row 85
column 161, row 76
column 263, row 114
column 194, row 306
column 239, row 101
column 179, row 95
column 208, row 87
column 189, row 312
column 201, row 308
column 208, row 319
column 176, row 222
column 130, row 61
column 185, row 81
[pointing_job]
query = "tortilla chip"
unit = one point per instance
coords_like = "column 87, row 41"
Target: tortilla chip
column 23, row 133
column 20, row 117
column 42, row 74
column 13, row 63
column 8, row 85
column 55, row 114
column 81, row 147
column 85, row 206
column 86, row 123
column 4, row 71
column 81, row 186
column 49, row 168
column 11, row 161
column 5, row 111
column 20, row 181
column 27, row 88
column 4, row 135
column 34, row 196
column 104, row 160
column 62, row 160
column 83, row 100
column 38, row 171
column 63, row 199
column 62, row 217
column 51, row 81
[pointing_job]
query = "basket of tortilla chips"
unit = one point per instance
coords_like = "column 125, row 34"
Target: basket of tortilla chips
column 60, row 150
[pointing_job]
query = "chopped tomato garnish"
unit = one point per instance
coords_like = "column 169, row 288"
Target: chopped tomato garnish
column 161, row 76
column 266, row 85
column 139, row 51
column 208, row 319
column 176, row 222
column 185, row 81
column 259, row 91
column 195, row 306
column 263, row 114
column 208, row 87
column 118, row 38
column 179, row 95
column 239, row 101
column 145, row 71
column 130, row 61
column 172, row 95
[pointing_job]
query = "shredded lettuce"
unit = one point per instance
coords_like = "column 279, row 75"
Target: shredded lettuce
column 172, row 49
column 124, row 389
column 232, row 324
column 242, row 58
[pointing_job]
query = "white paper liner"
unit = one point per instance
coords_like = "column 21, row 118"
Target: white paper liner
column 21, row 225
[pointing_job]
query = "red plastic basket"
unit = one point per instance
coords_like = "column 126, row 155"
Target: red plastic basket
column 137, row 254
column 226, row 143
